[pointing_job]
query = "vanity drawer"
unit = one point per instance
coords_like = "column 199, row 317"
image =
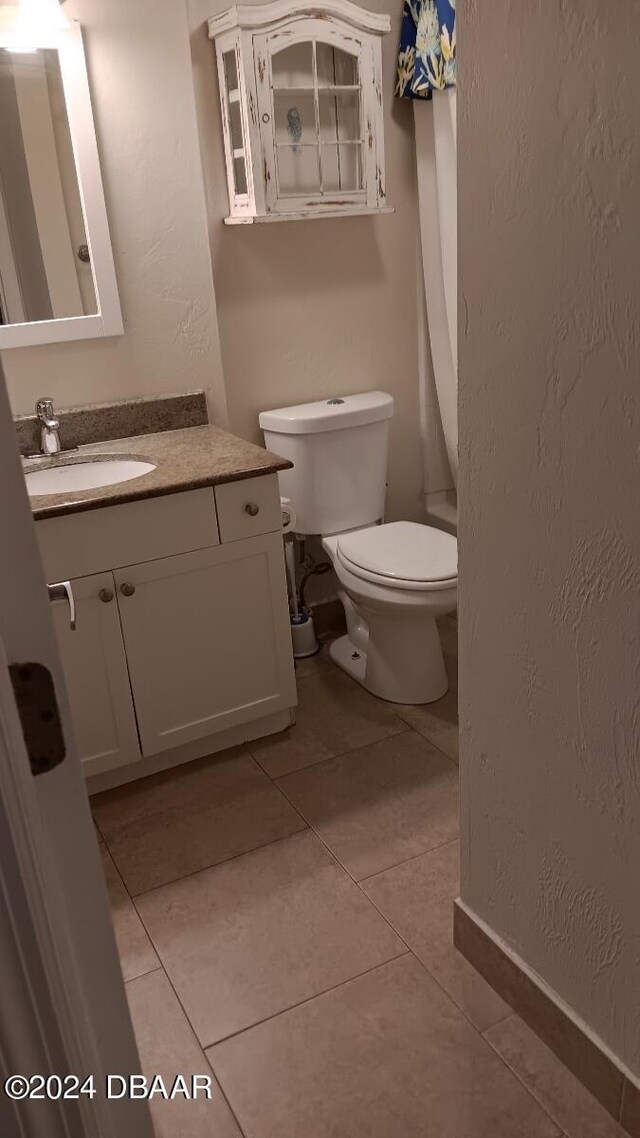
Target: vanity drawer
column 76, row 545
column 248, row 507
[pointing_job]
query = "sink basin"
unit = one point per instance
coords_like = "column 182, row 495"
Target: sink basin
column 70, row 476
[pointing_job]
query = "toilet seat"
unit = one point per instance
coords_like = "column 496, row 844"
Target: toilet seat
column 401, row 555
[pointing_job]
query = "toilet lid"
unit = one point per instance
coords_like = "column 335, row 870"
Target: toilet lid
column 403, row 551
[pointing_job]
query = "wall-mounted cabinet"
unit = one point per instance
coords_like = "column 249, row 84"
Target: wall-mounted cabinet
column 301, row 95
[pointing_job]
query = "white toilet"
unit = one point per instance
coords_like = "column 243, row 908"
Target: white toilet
column 395, row 578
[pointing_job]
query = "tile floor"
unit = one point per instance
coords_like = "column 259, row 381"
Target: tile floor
column 283, row 916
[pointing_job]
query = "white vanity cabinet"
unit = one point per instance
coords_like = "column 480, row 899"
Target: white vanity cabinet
column 179, row 652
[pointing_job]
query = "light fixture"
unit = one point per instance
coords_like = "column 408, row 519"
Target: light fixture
column 38, row 23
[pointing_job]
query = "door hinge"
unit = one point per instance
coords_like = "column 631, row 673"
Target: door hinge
column 37, row 706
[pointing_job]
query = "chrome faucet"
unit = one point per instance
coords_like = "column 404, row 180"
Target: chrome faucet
column 49, row 433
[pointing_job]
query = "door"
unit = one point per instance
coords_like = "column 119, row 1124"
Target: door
column 95, row 672
column 207, row 640
column 64, row 1007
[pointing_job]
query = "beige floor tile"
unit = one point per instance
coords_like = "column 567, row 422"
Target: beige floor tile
column 311, row 665
column 387, row 1055
column 437, row 721
column 249, row 938
column 555, row 1088
column 190, row 817
column 417, row 899
column 380, row 805
column 168, row 1047
column 135, row 950
column 334, row 715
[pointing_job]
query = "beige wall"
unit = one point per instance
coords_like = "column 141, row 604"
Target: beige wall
column 318, row 308
column 304, row 310
column 142, row 92
column 549, row 534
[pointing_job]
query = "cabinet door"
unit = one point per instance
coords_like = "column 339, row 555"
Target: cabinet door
column 314, row 93
column 96, row 673
column 207, row 640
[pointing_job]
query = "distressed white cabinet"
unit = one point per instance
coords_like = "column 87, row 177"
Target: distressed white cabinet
column 301, row 95
column 184, row 638
column 95, row 668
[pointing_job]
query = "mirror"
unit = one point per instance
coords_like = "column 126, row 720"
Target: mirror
column 45, row 271
column 57, row 278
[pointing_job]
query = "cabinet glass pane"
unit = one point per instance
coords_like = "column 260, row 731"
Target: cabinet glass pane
column 342, row 168
column 336, row 68
column 230, row 70
column 293, row 66
column 240, row 176
column 295, row 117
column 235, row 122
column 298, row 170
column 339, row 116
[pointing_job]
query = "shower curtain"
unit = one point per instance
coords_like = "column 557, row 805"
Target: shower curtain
column 427, row 65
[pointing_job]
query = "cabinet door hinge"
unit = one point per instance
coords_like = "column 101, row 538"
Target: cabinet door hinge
column 37, row 706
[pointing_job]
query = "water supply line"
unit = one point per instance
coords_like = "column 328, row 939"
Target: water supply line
column 290, row 554
column 314, row 571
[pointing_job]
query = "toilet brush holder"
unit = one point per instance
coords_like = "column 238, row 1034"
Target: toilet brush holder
column 303, row 636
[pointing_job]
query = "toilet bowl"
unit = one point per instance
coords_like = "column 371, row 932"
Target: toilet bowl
column 395, row 580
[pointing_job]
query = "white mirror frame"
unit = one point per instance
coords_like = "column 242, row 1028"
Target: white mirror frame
column 108, row 319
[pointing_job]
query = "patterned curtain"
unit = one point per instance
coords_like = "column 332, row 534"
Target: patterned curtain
column 427, row 58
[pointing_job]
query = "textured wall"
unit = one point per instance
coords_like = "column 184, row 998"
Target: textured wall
column 142, row 94
column 549, row 237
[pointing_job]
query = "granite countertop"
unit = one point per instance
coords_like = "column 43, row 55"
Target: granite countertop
column 184, row 459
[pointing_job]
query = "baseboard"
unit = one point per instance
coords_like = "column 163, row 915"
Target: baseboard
column 544, row 1012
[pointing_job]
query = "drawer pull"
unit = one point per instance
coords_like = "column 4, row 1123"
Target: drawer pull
column 127, row 589
column 252, row 509
column 106, row 595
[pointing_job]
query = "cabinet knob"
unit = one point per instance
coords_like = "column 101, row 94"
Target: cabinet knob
column 252, row 509
column 127, row 589
column 106, row 595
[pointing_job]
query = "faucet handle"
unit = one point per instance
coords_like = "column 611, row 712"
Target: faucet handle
column 49, row 437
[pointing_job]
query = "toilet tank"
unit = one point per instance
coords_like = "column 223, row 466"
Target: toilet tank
column 338, row 448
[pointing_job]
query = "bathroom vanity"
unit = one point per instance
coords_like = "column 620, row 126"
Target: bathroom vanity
column 181, row 645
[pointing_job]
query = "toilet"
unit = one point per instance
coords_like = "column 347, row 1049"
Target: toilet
column 395, row 578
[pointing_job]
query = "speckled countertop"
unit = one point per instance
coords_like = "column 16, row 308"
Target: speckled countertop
column 184, row 460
